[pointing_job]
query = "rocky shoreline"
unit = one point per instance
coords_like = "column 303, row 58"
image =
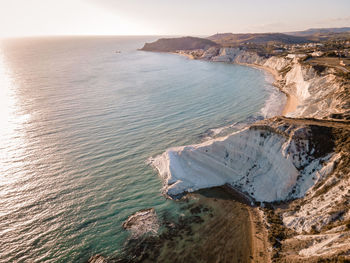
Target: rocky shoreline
column 295, row 168
column 313, row 144
column 215, row 225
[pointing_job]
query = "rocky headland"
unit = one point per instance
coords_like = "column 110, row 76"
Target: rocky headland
column 174, row 44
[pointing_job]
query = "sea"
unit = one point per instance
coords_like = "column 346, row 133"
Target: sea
column 80, row 117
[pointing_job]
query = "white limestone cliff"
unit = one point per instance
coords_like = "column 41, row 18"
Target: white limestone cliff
column 318, row 95
column 266, row 163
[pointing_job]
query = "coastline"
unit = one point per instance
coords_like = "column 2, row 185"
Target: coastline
column 285, row 143
column 218, row 224
column 292, row 101
column 258, row 246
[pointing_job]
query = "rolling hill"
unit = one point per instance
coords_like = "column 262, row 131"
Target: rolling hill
column 227, row 39
column 181, row 43
column 319, row 31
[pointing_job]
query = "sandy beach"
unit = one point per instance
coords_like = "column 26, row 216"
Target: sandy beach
column 291, row 104
column 292, row 101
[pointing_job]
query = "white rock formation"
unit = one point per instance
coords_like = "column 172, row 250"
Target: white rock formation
column 320, row 209
column 276, row 63
column 318, row 95
column 260, row 161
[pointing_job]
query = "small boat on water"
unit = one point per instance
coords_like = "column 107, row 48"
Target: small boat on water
column 118, row 51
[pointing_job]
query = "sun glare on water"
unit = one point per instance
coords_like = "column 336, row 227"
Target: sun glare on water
column 6, row 110
column 9, row 121
column 6, row 98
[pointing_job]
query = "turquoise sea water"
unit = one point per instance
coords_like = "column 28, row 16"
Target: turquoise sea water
column 78, row 123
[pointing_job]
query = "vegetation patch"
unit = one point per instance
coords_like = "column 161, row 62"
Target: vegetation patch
column 319, row 68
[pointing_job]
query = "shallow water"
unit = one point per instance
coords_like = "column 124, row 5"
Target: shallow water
column 78, row 122
column 214, row 226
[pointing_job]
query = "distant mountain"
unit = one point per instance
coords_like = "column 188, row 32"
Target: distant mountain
column 226, row 39
column 181, row 43
column 319, row 31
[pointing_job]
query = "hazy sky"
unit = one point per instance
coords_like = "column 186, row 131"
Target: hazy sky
column 167, row 17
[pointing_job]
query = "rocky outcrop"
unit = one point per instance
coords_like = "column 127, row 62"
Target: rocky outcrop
column 319, row 96
column 270, row 161
column 142, row 222
column 321, row 219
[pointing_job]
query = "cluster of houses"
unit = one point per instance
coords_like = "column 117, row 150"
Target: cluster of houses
column 338, row 49
column 314, row 50
column 281, row 48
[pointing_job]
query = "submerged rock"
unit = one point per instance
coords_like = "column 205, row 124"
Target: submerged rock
column 142, row 222
column 210, row 227
column 98, row 259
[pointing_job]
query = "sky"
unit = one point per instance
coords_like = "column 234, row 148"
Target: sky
column 167, row 17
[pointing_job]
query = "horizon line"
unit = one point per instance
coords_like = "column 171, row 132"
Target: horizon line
column 165, row 35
